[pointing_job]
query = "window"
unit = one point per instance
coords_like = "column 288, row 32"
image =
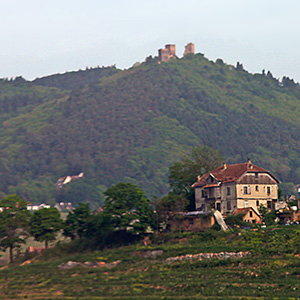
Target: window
column 202, row 193
column 268, row 190
column 219, row 206
column 228, row 191
column 256, row 188
column 269, row 205
column 246, row 203
column 250, row 214
column 256, row 175
column 257, row 203
column 228, row 205
column 247, row 190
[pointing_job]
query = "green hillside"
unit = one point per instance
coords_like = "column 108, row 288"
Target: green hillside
column 20, row 97
column 76, row 79
column 132, row 125
column 269, row 271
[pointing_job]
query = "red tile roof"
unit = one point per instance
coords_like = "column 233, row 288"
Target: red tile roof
column 230, row 173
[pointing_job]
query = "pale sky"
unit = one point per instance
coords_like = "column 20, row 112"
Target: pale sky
column 43, row 37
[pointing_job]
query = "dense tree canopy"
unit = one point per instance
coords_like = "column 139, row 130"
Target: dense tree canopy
column 132, row 125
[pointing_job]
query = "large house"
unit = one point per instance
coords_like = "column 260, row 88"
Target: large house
column 231, row 187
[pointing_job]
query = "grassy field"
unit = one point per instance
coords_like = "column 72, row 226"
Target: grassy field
column 272, row 271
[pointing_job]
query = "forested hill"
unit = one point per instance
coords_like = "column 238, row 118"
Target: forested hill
column 132, row 125
column 77, row 79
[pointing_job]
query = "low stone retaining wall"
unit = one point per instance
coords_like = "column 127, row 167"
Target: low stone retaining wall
column 201, row 256
column 88, row 264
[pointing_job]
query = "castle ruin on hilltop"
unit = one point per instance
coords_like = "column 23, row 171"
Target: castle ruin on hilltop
column 169, row 52
column 189, row 49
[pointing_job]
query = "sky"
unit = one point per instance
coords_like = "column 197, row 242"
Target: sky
column 40, row 38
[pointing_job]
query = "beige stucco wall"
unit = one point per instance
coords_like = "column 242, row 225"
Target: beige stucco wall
column 242, row 203
column 254, row 219
column 260, row 194
column 224, row 206
column 224, row 195
column 199, row 199
column 210, row 193
column 256, row 198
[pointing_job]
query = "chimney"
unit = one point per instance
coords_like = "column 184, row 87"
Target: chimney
column 249, row 164
column 224, row 166
column 198, row 177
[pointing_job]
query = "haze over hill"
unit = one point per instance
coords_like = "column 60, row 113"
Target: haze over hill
column 132, row 125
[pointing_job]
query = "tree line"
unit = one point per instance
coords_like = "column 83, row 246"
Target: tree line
column 127, row 213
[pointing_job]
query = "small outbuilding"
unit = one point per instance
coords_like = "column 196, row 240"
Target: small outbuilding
column 191, row 221
column 250, row 215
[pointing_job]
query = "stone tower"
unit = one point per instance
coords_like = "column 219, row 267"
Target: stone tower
column 163, row 55
column 172, row 49
column 168, row 52
column 189, row 49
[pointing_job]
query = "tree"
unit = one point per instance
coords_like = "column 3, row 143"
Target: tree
column 268, row 217
column 129, row 208
column 183, row 174
column 99, row 231
column 236, row 220
column 166, row 206
column 76, row 222
column 14, row 218
column 45, row 224
column 288, row 82
column 280, row 194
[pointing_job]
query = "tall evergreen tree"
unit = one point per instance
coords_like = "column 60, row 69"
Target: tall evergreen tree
column 45, row 224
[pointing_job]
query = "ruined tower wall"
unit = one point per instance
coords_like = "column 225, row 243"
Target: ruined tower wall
column 189, row 49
